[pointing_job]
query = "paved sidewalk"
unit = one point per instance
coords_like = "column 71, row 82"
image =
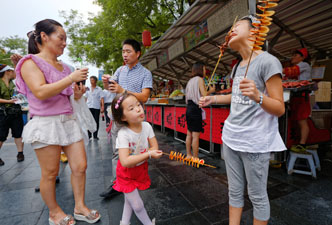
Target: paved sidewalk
column 179, row 194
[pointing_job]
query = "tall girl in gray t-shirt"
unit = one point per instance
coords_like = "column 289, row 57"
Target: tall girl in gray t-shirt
column 251, row 131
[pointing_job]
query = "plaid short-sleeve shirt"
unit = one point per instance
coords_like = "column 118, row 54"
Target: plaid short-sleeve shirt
column 134, row 79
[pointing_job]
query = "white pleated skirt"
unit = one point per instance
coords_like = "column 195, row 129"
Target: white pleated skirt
column 62, row 130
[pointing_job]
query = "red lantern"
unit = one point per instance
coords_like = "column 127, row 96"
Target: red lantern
column 146, row 38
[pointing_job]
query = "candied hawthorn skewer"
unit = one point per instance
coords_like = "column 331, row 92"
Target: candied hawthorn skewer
column 194, row 162
column 259, row 34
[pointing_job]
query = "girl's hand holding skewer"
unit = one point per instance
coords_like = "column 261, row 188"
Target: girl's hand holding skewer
column 205, row 101
column 249, row 89
column 156, row 154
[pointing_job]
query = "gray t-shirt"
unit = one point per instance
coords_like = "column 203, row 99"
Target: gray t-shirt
column 250, row 128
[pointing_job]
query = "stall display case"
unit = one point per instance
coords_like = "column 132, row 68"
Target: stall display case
column 173, row 117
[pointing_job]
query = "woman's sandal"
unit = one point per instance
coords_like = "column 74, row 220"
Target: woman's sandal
column 64, row 221
column 91, row 218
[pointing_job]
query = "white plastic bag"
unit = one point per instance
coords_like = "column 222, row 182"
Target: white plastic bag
column 84, row 117
column 203, row 114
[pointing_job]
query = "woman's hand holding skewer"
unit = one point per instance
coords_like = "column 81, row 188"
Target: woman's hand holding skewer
column 156, row 154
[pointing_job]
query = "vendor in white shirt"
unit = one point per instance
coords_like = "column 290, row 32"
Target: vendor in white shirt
column 95, row 102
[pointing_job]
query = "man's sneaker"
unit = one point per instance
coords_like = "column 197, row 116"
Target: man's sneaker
column 2, row 162
column 20, row 157
column 298, row 149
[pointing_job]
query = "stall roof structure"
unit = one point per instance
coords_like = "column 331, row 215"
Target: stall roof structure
column 196, row 35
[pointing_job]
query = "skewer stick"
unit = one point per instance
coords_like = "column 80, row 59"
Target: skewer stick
column 214, row 71
column 207, row 165
column 220, row 55
column 252, row 51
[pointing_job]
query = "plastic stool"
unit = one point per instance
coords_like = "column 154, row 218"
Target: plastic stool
column 316, row 158
column 291, row 163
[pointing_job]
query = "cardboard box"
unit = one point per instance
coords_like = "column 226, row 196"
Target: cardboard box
column 322, row 120
column 324, row 84
column 323, row 94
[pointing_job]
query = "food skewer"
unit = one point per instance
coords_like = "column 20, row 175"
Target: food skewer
column 222, row 50
column 194, row 162
column 260, row 33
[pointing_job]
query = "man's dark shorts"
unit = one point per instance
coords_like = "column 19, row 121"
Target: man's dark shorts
column 13, row 122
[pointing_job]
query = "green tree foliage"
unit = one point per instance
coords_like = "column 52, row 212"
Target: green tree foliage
column 99, row 40
column 100, row 84
column 11, row 45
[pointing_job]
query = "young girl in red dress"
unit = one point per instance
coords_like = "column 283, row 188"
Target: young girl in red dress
column 136, row 143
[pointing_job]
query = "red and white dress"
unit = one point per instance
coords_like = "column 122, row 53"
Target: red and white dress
column 128, row 179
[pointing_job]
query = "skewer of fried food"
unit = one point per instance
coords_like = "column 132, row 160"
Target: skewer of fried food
column 222, row 50
column 194, row 162
column 260, row 33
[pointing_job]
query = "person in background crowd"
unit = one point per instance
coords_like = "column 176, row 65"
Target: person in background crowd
column 133, row 78
column 108, row 98
column 251, row 131
column 161, row 88
column 180, row 87
column 95, row 102
column 47, row 83
column 10, row 113
column 170, row 86
column 154, row 89
column 300, row 102
column 194, row 91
